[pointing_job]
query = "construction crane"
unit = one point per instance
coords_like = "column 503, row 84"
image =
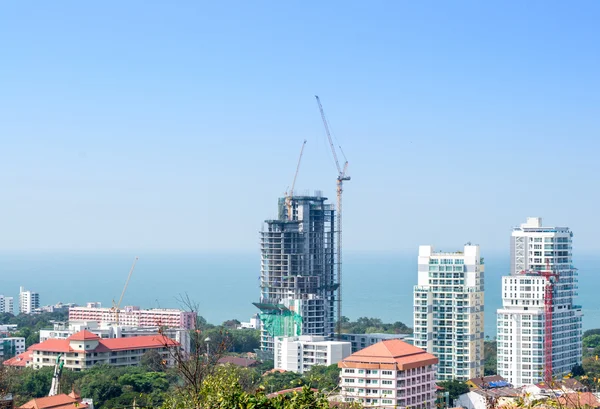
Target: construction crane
column 290, row 193
column 116, row 306
column 58, row 366
column 548, row 316
column 341, row 177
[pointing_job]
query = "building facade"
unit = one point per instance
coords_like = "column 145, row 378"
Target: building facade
column 63, row 330
column 297, row 281
column 11, row 346
column 29, row 301
column 361, row 341
column 299, row 354
column 448, row 310
column 134, row 316
column 7, row 304
column 389, row 374
column 85, row 349
column 522, row 320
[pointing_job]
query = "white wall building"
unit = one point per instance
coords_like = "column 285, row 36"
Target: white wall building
column 448, row 310
column 254, row 323
column 29, row 301
column 7, row 304
column 299, row 354
column 134, row 316
column 361, row 341
column 12, row 346
column 522, row 318
column 389, row 374
column 63, row 330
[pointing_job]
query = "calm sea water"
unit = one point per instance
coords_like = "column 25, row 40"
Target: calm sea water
column 225, row 285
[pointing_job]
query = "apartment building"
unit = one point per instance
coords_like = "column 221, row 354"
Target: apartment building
column 63, row 330
column 299, row 354
column 448, row 310
column 85, row 349
column 389, row 374
column 134, row 316
column 29, row 301
column 11, row 346
column 539, row 324
column 7, row 304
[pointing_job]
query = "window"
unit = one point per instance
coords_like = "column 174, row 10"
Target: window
column 349, row 370
column 386, row 372
column 384, row 382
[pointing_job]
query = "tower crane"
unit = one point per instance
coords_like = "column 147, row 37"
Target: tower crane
column 341, row 177
column 116, row 306
column 288, row 195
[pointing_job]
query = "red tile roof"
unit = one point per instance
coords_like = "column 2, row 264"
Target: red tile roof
column 61, row 401
column 19, row 360
column 391, row 351
column 84, row 335
column 106, row 345
column 578, row 400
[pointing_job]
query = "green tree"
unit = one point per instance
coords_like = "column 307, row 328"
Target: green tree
column 591, row 341
column 490, row 353
column 152, row 361
column 323, row 377
column 589, row 332
column 455, row 388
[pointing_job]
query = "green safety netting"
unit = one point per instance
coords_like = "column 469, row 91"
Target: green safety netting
column 285, row 323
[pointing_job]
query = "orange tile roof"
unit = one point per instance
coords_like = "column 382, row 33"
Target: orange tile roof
column 19, row 360
column 84, row 335
column 392, row 351
column 579, row 400
column 107, row 345
column 61, row 401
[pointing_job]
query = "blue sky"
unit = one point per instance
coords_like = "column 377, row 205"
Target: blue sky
column 176, row 125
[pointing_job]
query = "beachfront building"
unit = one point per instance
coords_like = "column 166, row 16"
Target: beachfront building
column 389, row 374
column 85, row 349
column 299, row 354
column 29, row 301
column 448, row 310
column 524, row 349
column 134, row 316
column 297, row 280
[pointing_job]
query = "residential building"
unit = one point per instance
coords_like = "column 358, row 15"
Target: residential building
column 524, row 351
column 85, row 349
column 134, row 316
column 11, row 346
column 7, row 304
column 63, row 330
column 24, row 359
column 487, row 382
column 254, row 323
column 361, row 341
column 297, row 280
column 389, row 374
column 29, row 301
column 448, row 310
column 299, row 354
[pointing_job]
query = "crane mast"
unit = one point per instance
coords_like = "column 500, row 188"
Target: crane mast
column 116, row 306
column 288, row 195
column 341, row 177
column 58, row 366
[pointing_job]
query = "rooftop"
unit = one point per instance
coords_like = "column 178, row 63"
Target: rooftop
column 84, row 335
column 393, row 351
column 61, row 401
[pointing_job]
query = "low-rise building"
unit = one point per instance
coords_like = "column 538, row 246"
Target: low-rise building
column 134, row 316
column 24, row 359
column 61, row 401
column 390, row 374
column 487, row 382
column 299, row 354
column 85, row 349
column 63, row 330
column 11, row 346
column 254, row 323
column 488, row 398
column 361, row 341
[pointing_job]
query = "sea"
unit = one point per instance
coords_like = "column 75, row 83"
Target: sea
column 224, row 285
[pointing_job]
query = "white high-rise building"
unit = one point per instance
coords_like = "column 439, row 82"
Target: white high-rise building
column 28, row 301
column 448, row 311
column 523, row 343
column 299, row 354
column 7, row 304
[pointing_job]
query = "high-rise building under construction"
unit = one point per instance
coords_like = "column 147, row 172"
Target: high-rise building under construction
column 297, row 280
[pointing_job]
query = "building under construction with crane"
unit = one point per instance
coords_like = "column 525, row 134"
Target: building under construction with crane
column 301, row 262
column 539, row 326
